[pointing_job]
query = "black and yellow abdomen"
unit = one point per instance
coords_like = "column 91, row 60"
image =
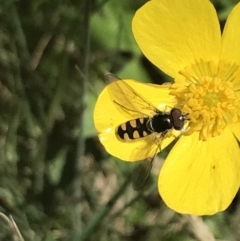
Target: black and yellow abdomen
column 161, row 122
column 133, row 129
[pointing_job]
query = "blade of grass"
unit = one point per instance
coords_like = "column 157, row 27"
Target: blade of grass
column 11, row 223
column 77, row 218
column 102, row 212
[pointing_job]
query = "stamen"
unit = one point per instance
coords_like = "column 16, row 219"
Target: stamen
column 209, row 96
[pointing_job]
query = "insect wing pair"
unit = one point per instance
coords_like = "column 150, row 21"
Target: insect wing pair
column 147, row 121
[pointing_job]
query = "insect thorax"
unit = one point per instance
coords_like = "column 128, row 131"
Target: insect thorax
column 160, row 123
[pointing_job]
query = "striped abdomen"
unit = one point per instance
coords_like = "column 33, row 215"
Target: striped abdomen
column 133, row 129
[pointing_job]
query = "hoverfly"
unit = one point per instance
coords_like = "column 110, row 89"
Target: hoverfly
column 159, row 123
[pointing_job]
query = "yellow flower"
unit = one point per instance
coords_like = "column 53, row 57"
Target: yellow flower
column 201, row 174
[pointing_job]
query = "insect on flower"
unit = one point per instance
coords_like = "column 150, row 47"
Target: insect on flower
column 157, row 124
column 183, row 38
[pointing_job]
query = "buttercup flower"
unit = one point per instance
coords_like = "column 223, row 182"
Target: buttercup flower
column 201, row 174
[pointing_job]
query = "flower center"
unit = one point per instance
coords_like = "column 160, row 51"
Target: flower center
column 211, row 99
column 209, row 93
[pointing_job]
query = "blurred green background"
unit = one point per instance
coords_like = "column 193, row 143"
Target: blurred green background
column 56, row 180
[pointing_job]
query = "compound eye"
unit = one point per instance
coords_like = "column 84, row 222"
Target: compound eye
column 177, row 117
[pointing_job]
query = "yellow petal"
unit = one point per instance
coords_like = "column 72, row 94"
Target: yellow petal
column 235, row 128
column 108, row 116
column 174, row 34
column 231, row 37
column 201, row 177
column 135, row 150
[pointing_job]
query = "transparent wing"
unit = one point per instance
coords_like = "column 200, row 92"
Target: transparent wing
column 141, row 173
column 143, row 168
column 111, row 77
column 128, row 98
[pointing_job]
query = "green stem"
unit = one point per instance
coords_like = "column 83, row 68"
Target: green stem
column 102, row 212
column 77, row 192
